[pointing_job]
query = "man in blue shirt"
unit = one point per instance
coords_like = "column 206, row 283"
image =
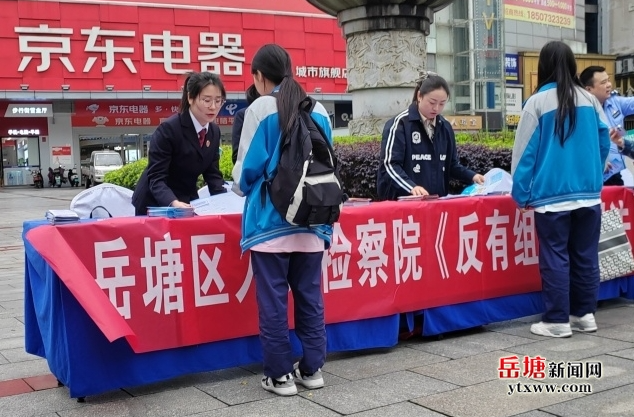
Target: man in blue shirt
column 616, row 108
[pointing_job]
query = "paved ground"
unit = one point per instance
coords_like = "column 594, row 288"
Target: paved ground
column 456, row 376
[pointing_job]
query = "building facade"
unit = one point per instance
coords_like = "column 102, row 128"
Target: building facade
column 488, row 49
column 77, row 77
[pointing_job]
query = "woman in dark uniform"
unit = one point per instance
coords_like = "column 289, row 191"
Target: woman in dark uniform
column 183, row 147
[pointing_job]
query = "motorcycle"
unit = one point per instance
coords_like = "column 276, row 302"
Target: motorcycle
column 73, row 178
column 38, row 180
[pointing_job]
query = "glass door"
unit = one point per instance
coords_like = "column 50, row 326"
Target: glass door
column 20, row 155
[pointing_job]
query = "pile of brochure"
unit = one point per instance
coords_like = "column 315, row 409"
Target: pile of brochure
column 170, row 212
column 496, row 182
column 357, row 201
column 418, row 197
column 56, row 217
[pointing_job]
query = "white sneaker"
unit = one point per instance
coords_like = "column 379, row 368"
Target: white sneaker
column 551, row 329
column 284, row 386
column 313, row 381
column 583, row 324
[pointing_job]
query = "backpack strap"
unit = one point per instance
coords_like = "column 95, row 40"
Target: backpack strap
column 306, row 105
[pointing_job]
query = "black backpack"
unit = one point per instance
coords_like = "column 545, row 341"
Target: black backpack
column 306, row 189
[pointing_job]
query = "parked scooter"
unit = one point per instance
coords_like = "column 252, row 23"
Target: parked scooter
column 58, row 175
column 38, row 180
column 73, row 178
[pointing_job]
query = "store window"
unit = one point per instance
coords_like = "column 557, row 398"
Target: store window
column 20, row 156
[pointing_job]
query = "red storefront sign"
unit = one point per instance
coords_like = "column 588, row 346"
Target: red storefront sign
column 122, row 113
column 22, row 126
column 268, row 6
column 87, row 47
column 132, row 113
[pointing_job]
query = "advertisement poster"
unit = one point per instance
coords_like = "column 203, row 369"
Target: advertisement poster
column 511, row 68
column 554, row 13
column 62, row 155
column 514, row 99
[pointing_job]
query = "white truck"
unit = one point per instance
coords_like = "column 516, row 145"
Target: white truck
column 100, row 163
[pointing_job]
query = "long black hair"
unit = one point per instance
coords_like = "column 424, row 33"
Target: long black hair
column 428, row 82
column 195, row 83
column 251, row 94
column 274, row 63
column 557, row 65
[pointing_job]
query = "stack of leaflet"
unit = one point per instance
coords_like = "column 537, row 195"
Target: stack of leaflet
column 56, row 217
column 170, row 212
column 418, row 197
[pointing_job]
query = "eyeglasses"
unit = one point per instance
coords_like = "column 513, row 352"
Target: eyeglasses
column 208, row 101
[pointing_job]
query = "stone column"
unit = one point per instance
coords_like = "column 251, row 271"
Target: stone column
column 386, row 50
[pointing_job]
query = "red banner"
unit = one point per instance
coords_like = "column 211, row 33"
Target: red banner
column 165, row 283
column 49, row 45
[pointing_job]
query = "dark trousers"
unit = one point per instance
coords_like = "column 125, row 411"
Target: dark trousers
column 274, row 274
column 569, row 262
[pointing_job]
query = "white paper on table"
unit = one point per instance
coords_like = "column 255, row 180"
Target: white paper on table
column 225, row 203
column 452, row 196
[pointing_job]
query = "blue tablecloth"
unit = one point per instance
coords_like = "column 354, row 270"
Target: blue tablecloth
column 57, row 328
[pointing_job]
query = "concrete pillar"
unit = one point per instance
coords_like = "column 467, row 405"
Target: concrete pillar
column 386, row 50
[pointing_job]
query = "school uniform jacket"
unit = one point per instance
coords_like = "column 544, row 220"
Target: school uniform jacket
column 409, row 158
column 258, row 156
column 175, row 160
column 545, row 172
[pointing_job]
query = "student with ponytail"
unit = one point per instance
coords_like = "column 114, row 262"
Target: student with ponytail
column 561, row 144
column 282, row 255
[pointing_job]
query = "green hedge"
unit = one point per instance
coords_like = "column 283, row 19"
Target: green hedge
column 359, row 160
column 129, row 174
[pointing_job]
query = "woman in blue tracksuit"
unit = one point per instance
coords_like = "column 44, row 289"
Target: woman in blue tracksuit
column 561, row 144
column 282, row 255
column 418, row 149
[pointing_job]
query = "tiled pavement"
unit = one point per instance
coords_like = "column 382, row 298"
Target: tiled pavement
column 455, row 376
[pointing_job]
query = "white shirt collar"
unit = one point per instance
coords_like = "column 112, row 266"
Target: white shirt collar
column 197, row 125
column 424, row 119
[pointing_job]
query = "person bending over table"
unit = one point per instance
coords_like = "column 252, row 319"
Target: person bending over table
column 183, row 147
column 418, row 149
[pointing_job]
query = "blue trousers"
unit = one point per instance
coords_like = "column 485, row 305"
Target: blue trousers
column 274, row 273
column 569, row 262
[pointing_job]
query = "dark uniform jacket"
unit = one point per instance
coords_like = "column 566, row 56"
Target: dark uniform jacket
column 175, row 160
column 409, row 158
column 236, row 131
